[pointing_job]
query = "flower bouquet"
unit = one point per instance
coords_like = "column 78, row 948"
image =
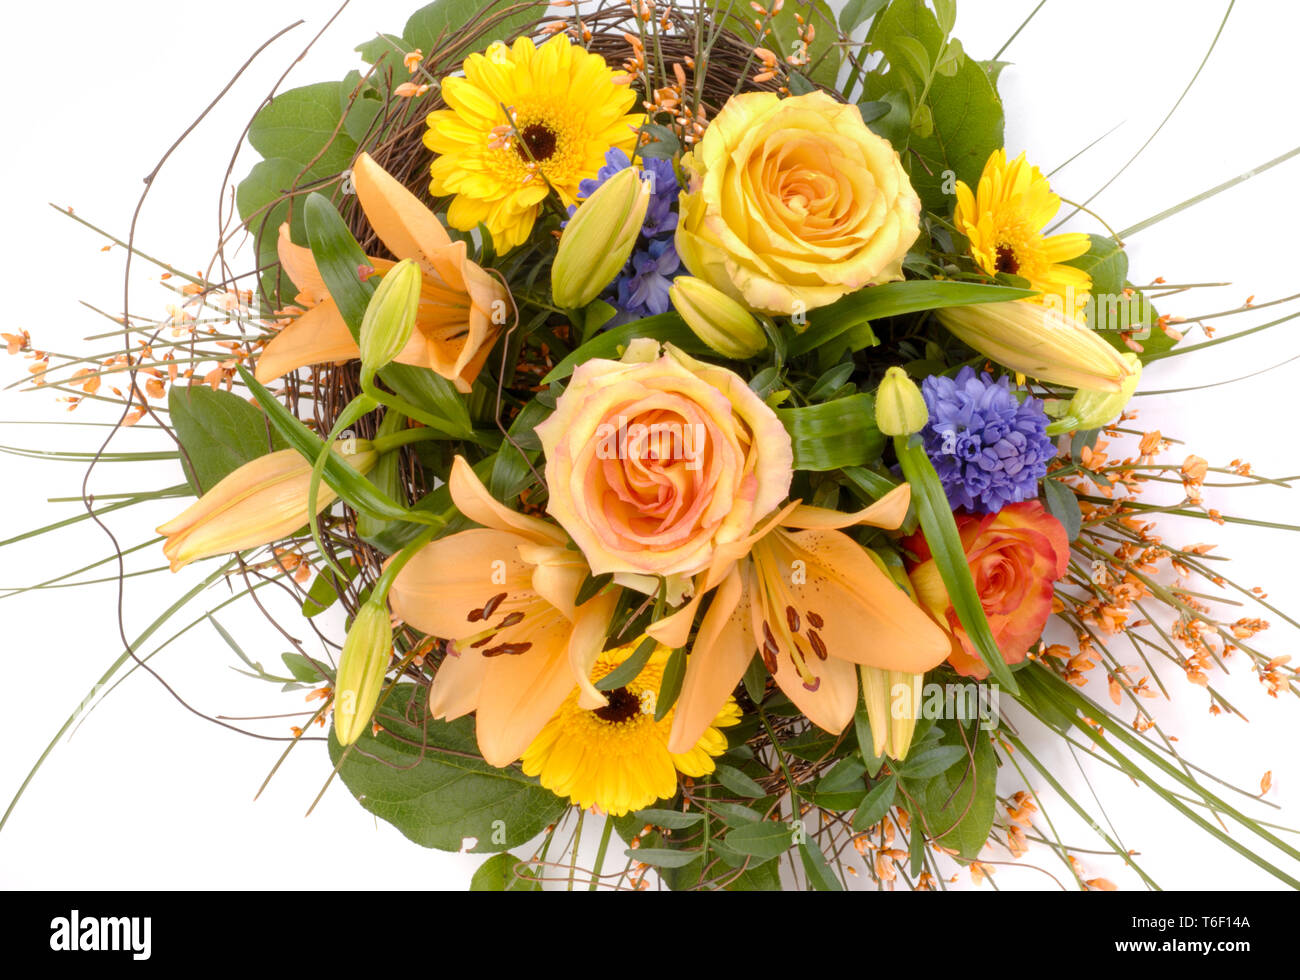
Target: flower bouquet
column 687, row 414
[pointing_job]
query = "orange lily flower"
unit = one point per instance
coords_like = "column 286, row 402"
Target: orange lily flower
column 506, row 596
column 814, row 603
column 463, row 307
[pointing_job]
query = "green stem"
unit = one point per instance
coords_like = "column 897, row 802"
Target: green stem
column 386, row 444
column 600, row 853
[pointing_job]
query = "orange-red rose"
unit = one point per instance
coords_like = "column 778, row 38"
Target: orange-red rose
column 1014, row 555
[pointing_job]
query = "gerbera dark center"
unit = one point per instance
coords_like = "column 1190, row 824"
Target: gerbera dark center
column 623, row 704
column 1007, row 261
column 539, row 143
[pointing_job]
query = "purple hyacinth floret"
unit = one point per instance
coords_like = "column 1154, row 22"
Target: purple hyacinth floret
column 641, row 288
column 989, row 448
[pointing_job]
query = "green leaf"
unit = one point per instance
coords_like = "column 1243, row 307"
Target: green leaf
column 877, row 803
column 590, row 586
column 1106, row 262
column 834, row 434
column 670, row 819
column 935, row 515
column 914, row 55
column 965, row 111
column 629, row 669
column 219, row 433
column 387, row 478
column 339, row 259
column 434, row 25
column 662, row 857
column 505, row 873
column 263, row 207
column 433, row 393
column 765, row 877
column 895, row 122
column 739, row 783
column 1109, row 307
column 764, row 840
column 734, row 815
column 895, row 299
column 1064, row 506
column 931, row 761
column 350, row 485
column 866, row 744
column 871, row 111
column 666, row 328
column 855, row 13
column 916, row 850
column 959, row 803
column 511, row 470
column 968, row 124
column 994, row 70
column 426, row 778
column 755, row 679
column 303, row 125
column 303, row 669
column 819, row 872
column 671, row 684
column 844, row 776
column 326, row 588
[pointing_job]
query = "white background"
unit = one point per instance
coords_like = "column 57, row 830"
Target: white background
column 148, row 795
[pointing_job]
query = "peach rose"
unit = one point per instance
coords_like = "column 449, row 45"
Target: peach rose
column 793, row 203
column 655, row 460
column 1015, row 555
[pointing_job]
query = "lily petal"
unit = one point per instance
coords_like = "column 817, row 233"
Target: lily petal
column 831, row 706
column 585, row 643
column 450, row 579
column 455, row 690
column 402, row 222
column 521, row 693
column 865, row 618
column 723, row 649
column 473, row 500
column 318, row 336
column 300, row 266
column 887, row 512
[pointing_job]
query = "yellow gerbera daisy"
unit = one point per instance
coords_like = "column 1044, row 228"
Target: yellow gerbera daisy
column 566, row 112
column 616, row 757
column 1004, row 220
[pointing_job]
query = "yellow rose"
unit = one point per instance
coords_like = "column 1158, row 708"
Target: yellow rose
column 794, row 203
column 654, row 461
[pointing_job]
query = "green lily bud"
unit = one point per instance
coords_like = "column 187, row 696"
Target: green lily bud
column 1090, row 409
column 390, row 316
column 599, row 238
column 362, row 667
column 900, row 407
column 717, row 319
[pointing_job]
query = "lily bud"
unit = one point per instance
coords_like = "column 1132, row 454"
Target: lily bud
column 900, row 407
column 389, row 319
column 1039, row 341
column 717, row 319
column 1092, row 409
column 362, row 667
column 599, row 238
column 261, row 502
column 893, row 700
